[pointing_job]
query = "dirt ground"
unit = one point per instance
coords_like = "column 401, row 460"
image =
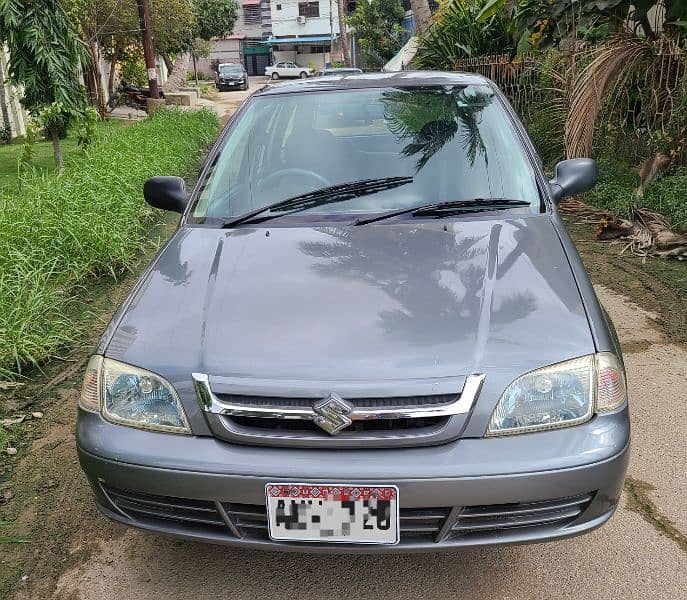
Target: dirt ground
column 74, row 553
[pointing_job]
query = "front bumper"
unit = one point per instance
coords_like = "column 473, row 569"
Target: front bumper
column 231, row 82
column 533, row 474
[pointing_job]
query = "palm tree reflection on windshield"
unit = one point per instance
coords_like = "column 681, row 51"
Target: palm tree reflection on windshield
column 429, row 119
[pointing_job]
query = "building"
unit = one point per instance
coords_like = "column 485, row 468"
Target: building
column 271, row 31
column 303, row 32
column 13, row 117
column 245, row 44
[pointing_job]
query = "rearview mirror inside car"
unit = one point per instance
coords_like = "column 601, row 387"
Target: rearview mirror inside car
column 573, row 177
column 167, row 193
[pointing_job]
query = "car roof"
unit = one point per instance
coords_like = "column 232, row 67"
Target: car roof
column 374, row 80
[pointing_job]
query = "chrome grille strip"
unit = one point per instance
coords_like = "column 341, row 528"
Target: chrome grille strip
column 463, row 403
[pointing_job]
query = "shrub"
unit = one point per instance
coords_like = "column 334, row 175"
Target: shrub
column 88, row 220
column 456, row 33
column 5, row 133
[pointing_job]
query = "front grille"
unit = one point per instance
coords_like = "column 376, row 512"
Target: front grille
column 304, row 413
column 444, row 524
column 386, row 402
column 267, row 424
column 306, row 426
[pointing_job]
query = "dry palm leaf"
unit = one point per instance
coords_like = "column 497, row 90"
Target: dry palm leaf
column 646, row 233
column 612, row 65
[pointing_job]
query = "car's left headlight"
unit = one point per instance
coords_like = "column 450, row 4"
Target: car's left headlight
column 560, row 395
column 132, row 396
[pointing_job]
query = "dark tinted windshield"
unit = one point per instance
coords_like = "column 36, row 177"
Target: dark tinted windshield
column 231, row 69
column 456, row 143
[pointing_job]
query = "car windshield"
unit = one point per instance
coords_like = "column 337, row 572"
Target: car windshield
column 230, row 69
column 456, row 142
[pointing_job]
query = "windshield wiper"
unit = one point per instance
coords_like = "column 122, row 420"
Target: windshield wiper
column 321, row 197
column 441, row 209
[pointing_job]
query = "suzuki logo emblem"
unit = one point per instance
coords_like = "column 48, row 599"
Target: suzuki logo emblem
column 331, row 413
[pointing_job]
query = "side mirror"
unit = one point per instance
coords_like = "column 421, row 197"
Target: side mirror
column 573, row 177
column 167, row 193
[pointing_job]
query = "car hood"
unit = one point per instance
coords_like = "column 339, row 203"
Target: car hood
column 381, row 302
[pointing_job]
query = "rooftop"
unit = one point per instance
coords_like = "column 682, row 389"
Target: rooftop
column 374, row 80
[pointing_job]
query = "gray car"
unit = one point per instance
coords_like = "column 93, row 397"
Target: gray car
column 370, row 333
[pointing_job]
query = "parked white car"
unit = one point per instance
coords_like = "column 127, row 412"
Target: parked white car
column 288, row 69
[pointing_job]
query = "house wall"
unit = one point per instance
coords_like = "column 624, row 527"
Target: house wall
column 285, row 19
column 10, row 95
column 302, row 59
column 226, row 51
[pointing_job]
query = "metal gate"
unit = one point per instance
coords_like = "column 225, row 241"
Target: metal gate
column 256, row 63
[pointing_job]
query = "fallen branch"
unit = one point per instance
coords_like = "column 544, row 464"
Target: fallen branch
column 646, row 233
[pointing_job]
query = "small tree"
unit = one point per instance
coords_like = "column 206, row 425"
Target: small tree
column 378, row 30
column 45, row 53
column 214, row 18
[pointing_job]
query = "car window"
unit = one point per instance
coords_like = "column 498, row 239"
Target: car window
column 456, row 142
column 231, row 69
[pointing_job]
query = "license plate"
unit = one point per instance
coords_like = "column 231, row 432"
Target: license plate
column 360, row 514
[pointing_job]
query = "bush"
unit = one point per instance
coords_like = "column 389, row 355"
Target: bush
column 456, row 34
column 5, row 133
column 88, row 220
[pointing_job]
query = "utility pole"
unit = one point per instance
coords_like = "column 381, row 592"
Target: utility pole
column 144, row 21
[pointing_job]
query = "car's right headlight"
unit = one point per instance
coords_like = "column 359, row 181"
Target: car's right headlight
column 131, row 396
column 560, row 395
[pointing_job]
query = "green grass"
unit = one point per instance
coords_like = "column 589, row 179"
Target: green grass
column 59, row 230
column 666, row 195
column 43, row 160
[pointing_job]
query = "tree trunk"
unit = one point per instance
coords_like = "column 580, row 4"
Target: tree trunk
column 421, row 15
column 4, row 110
column 56, row 147
column 93, row 76
column 343, row 34
column 113, row 70
column 168, row 63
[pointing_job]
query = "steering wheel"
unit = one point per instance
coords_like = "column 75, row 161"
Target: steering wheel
column 295, row 172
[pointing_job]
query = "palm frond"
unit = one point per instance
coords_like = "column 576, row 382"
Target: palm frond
column 612, row 66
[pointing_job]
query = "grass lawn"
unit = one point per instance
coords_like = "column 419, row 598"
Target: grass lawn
column 90, row 222
column 43, row 156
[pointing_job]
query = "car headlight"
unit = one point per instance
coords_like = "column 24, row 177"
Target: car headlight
column 560, row 395
column 131, row 396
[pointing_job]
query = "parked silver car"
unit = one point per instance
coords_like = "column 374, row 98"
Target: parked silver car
column 370, row 332
column 287, row 69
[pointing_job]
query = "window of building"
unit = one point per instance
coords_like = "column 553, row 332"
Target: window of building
column 278, row 6
column 309, row 9
column 251, row 14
